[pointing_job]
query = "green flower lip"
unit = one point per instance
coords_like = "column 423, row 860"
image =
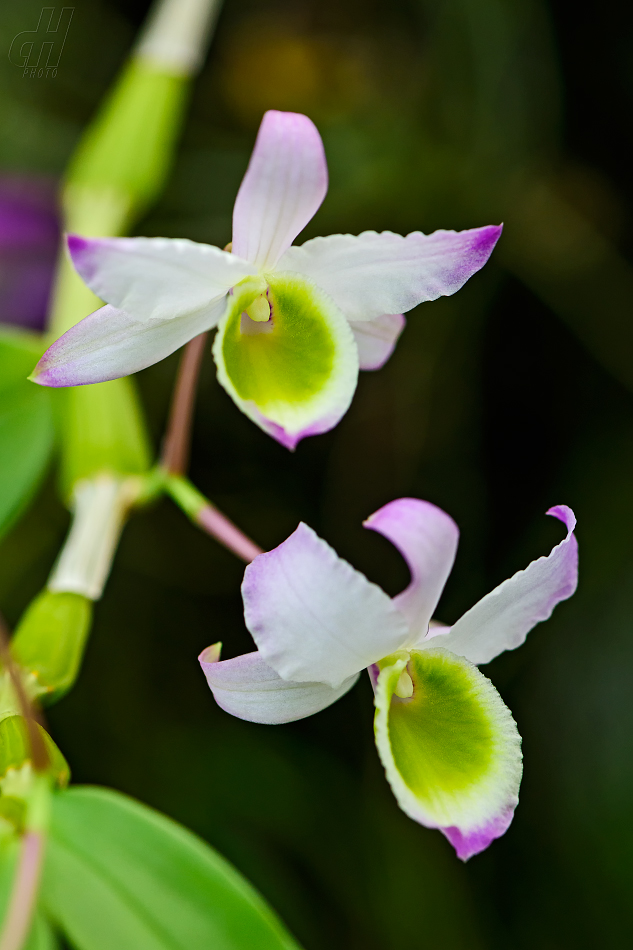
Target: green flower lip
column 295, row 368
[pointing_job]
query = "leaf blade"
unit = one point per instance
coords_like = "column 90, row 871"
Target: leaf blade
column 119, row 874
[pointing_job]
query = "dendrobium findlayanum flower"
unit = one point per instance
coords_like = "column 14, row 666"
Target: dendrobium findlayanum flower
column 295, row 324
column 449, row 745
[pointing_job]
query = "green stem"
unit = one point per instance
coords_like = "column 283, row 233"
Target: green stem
column 206, row 516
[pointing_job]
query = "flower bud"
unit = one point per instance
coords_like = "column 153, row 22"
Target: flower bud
column 49, row 642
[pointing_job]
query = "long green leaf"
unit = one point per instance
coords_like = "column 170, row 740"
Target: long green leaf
column 26, row 425
column 119, row 875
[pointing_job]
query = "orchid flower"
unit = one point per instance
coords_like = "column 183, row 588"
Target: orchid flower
column 294, row 324
column 450, row 747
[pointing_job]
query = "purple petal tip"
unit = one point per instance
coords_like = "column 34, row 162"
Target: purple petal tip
column 469, row 843
column 76, row 243
column 564, row 514
column 290, row 440
column 487, row 238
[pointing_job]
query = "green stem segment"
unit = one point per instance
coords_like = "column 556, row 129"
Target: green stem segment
column 200, row 510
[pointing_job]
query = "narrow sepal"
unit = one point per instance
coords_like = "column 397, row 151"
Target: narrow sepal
column 371, row 274
column 503, row 618
column 248, row 688
column 110, row 343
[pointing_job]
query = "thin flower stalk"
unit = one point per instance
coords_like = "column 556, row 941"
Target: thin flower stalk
column 206, row 516
column 177, row 444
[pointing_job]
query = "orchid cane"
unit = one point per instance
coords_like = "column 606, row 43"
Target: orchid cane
column 295, row 324
column 449, row 745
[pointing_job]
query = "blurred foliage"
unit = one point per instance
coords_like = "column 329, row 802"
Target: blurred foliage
column 117, row 874
column 499, row 402
column 26, row 425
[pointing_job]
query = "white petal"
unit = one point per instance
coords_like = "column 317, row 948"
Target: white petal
column 110, row 343
column 375, row 273
column 504, row 617
column 155, row 278
column 248, row 688
column 313, row 617
column 376, row 339
column 284, row 185
column 427, row 539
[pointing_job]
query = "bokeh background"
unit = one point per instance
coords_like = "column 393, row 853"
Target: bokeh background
column 512, row 396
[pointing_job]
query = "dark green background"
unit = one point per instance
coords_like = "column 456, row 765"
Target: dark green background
column 510, row 397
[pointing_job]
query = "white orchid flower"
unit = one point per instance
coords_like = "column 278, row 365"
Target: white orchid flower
column 449, row 745
column 294, row 324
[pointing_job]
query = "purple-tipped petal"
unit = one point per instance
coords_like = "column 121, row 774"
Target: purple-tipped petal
column 376, row 339
column 110, row 343
column 248, row 688
column 313, row 617
column 290, row 440
column 373, row 274
column 504, row 617
column 284, row 186
column 469, row 843
column 427, row 538
column 156, row 278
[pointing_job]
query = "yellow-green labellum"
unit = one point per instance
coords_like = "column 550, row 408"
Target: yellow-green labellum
column 296, row 370
column 451, row 750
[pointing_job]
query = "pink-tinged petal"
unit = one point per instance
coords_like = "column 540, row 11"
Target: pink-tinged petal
column 289, row 439
column 376, row 339
column 372, row 273
column 110, row 343
column 469, row 843
column 427, row 538
column 248, row 688
column 156, row 278
column 284, row 186
column 451, row 750
column 313, row 617
column 504, row 617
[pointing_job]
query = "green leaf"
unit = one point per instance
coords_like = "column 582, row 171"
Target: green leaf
column 26, row 425
column 119, row 875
